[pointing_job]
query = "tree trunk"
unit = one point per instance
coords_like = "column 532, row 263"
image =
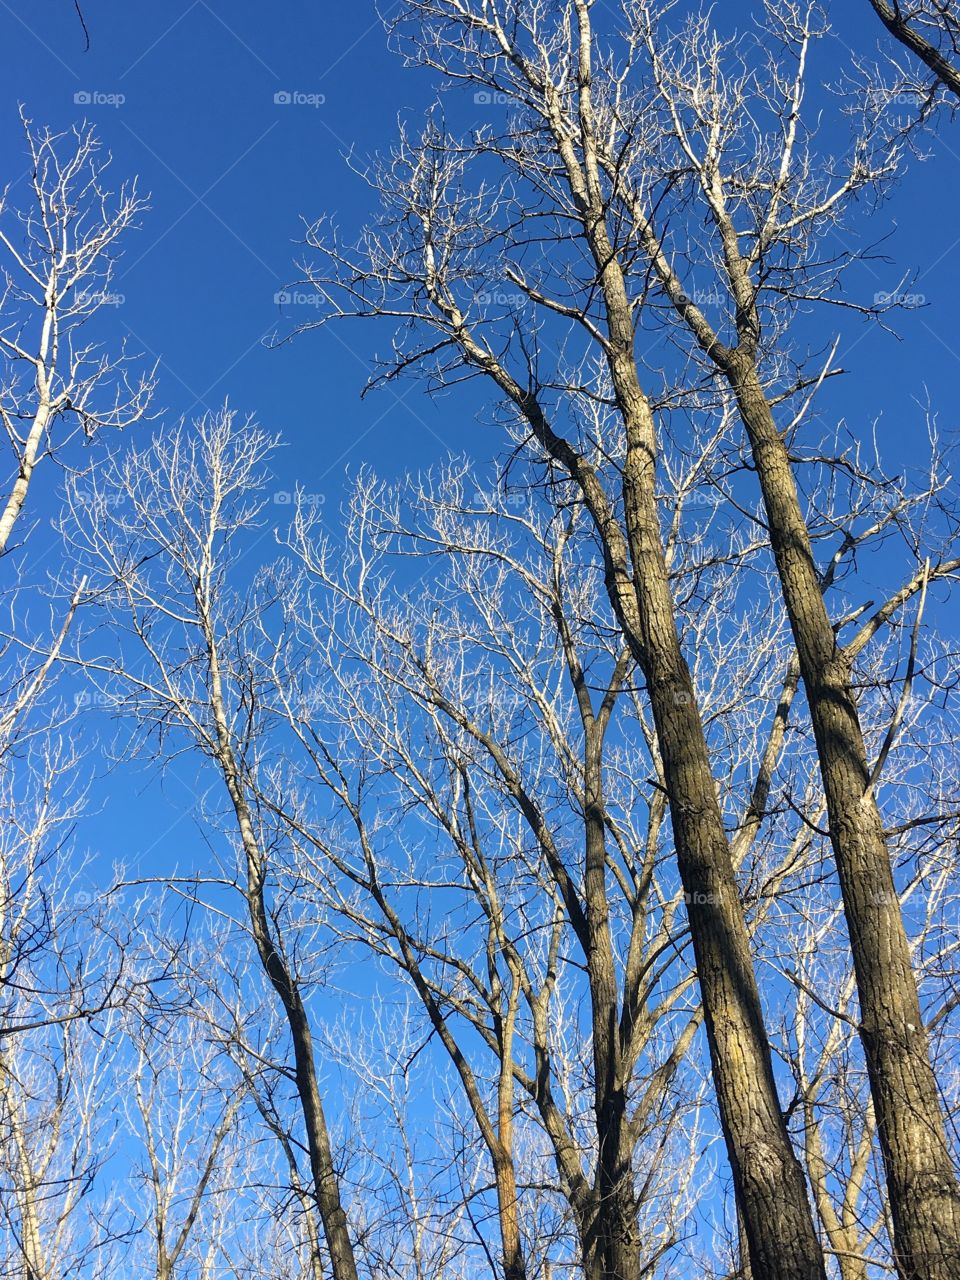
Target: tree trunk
column 325, row 1182
column 922, row 1184
column 911, row 38
column 776, row 1212
column 769, row 1178
column 616, row 1234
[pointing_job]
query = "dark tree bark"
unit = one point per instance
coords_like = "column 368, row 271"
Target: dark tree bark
column 944, row 65
column 922, row 1183
column 771, row 1185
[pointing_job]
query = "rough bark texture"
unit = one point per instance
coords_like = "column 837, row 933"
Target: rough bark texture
column 777, row 1218
column 922, row 1184
column 616, row 1237
column 767, row 1174
column 947, row 72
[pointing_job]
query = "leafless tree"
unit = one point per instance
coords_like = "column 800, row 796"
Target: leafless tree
column 192, row 495
column 59, row 252
column 189, row 1184
column 434, row 674
column 163, row 492
column 623, row 147
column 754, row 234
column 440, row 730
column 421, row 280
column 60, row 965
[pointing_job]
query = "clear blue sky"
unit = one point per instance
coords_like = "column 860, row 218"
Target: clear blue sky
column 183, row 94
column 230, row 172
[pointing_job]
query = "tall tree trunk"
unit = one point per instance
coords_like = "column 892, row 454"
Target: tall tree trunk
column 769, row 1178
column 922, row 1184
column 777, row 1214
column 326, row 1184
column 617, row 1238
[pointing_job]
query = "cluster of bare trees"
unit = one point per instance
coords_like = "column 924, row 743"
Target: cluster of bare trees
column 579, row 881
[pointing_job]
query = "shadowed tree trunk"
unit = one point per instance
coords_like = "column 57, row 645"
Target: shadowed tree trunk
column 941, row 56
column 924, row 1194
column 770, row 1182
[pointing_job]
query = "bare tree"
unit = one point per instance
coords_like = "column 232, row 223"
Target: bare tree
column 433, row 678
column 193, row 1171
column 591, row 151
column 162, row 492
column 60, row 962
column 435, row 651
column 432, row 720
column 417, row 268
column 63, row 951
column 193, row 495
column 59, row 253
column 706, row 110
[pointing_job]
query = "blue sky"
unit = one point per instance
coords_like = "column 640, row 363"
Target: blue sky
column 229, row 172
column 184, row 95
